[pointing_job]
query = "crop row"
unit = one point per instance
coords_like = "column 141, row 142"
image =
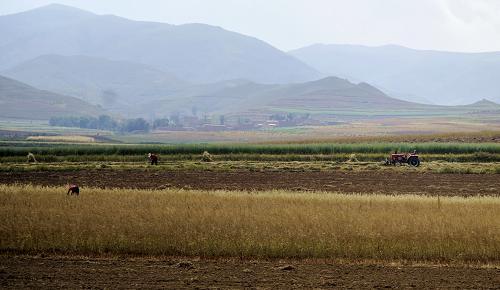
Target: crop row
column 337, row 157
column 273, row 149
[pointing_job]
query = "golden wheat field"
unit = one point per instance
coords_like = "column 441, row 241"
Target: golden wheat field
column 249, row 224
column 65, row 138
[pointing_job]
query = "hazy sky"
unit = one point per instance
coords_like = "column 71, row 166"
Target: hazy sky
column 457, row 25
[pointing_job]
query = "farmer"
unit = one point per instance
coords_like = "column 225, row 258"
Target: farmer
column 73, row 189
column 153, row 158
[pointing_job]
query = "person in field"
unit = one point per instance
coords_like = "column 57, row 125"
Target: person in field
column 73, row 189
column 153, row 158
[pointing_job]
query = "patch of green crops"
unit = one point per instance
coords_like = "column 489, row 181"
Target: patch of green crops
column 279, row 149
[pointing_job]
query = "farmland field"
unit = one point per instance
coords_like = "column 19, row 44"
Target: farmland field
column 364, row 181
column 356, row 145
column 324, row 213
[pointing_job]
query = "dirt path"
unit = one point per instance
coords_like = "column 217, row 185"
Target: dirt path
column 74, row 272
column 387, row 182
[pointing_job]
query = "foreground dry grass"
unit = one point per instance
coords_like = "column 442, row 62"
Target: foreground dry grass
column 261, row 224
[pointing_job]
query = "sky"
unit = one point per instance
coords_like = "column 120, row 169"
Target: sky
column 452, row 25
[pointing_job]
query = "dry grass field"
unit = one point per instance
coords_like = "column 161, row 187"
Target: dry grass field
column 63, row 138
column 274, row 224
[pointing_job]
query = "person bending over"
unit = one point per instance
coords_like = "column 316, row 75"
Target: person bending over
column 153, row 158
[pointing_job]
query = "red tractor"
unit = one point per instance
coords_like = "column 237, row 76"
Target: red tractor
column 400, row 158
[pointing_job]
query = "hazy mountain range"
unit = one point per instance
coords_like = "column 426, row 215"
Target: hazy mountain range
column 446, row 78
column 18, row 100
column 194, row 52
column 97, row 80
column 239, row 96
column 138, row 68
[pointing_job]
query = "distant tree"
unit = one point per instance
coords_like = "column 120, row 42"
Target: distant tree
column 105, row 122
column 131, row 125
column 88, row 122
column 65, row 121
column 161, row 123
column 222, row 119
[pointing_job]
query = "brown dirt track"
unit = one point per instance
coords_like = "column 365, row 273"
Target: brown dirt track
column 383, row 182
column 78, row 272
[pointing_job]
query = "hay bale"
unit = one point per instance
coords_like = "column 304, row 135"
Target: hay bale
column 31, row 157
column 206, row 157
column 352, row 158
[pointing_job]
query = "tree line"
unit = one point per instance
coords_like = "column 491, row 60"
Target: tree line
column 103, row 122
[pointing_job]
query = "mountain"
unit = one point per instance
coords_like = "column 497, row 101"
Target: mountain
column 483, row 105
column 20, row 101
column 325, row 100
column 325, row 96
column 194, row 52
column 96, row 80
column 447, row 78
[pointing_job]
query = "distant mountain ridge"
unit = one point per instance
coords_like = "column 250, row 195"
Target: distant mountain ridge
column 91, row 78
column 152, row 70
column 194, row 52
column 20, row 101
column 446, row 78
column 240, row 97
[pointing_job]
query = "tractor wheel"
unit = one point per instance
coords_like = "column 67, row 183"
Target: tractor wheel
column 414, row 162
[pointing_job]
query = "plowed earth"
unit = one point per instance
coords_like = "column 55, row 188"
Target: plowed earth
column 381, row 182
column 18, row 272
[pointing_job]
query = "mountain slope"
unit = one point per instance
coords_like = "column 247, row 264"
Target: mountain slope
column 237, row 97
column 95, row 79
column 195, row 52
column 20, row 101
column 446, row 78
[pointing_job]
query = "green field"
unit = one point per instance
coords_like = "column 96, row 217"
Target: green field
column 16, row 152
column 22, row 148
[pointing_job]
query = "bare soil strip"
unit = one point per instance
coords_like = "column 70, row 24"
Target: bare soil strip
column 76, row 272
column 377, row 182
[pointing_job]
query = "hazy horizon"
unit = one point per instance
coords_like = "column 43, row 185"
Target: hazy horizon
column 447, row 25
